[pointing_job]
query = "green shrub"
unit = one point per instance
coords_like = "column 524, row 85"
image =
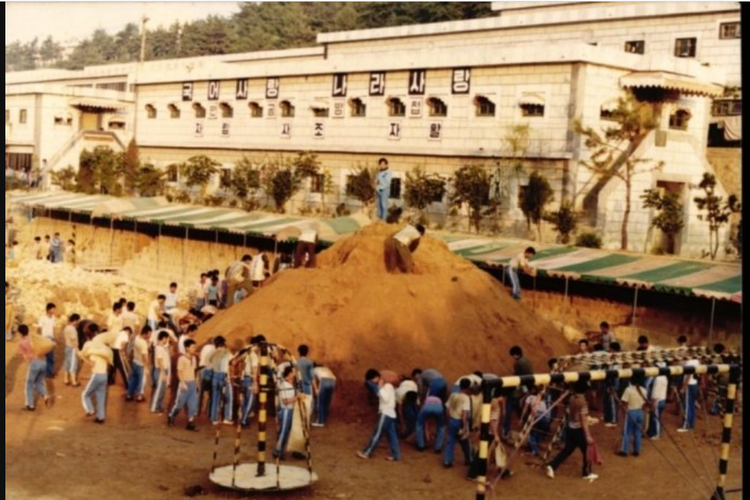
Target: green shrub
column 589, row 240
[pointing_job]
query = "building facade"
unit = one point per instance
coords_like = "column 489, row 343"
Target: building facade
column 437, row 96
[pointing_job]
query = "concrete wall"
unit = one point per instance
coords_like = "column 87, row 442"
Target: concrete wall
column 15, row 131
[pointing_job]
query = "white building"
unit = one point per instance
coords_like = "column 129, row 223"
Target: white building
column 440, row 95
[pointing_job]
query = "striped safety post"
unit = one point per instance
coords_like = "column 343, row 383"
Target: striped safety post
column 263, row 410
column 484, row 445
column 237, row 441
column 726, row 436
column 216, row 448
column 597, row 375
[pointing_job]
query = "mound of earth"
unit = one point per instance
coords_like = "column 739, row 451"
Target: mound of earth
column 448, row 315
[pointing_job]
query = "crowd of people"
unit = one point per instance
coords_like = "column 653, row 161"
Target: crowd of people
column 425, row 409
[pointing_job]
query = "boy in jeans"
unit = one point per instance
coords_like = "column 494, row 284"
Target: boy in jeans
column 35, row 375
column 458, row 408
column 187, row 392
column 386, row 416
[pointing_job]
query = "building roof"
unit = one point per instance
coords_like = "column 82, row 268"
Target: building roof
column 663, row 274
column 660, row 79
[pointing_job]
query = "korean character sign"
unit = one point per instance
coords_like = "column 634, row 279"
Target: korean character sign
column 214, row 90
column 339, row 108
column 286, row 130
column 273, row 86
column 436, row 131
column 187, row 91
column 319, row 130
column 377, row 84
column 461, row 81
column 394, row 131
column 415, row 108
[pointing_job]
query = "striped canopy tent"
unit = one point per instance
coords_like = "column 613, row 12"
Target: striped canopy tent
column 115, row 207
column 662, row 274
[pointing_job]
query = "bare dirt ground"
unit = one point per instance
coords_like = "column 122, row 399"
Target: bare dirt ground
column 57, row 454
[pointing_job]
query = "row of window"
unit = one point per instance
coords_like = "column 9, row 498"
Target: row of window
column 484, row 107
column 686, row 47
column 22, row 116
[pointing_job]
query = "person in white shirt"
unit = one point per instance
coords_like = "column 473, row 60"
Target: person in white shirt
column 221, row 386
column 258, row 269
column 130, row 319
column 304, row 254
column 386, row 417
column 458, row 409
column 156, row 312
column 71, row 351
column 658, row 402
column 119, row 350
column 137, row 383
column 324, row 386
column 162, row 369
column 171, row 298
column 200, row 291
column 400, row 246
column 188, row 335
column 249, row 361
column 238, row 276
column 100, row 357
column 691, row 396
column 287, row 398
column 46, row 326
column 633, row 400
column 520, row 262
column 205, row 374
column 114, row 320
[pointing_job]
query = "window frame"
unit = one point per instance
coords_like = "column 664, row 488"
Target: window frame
column 174, row 112
column 437, row 107
column 396, row 107
column 199, row 110
column 357, row 108
column 151, row 112
column 734, row 24
column 256, row 110
column 287, row 109
column 635, row 44
column 693, row 41
column 479, row 102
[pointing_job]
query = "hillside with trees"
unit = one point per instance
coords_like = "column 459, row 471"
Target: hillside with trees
column 256, row 26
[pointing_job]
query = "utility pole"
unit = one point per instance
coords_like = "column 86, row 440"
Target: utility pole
column 144, row 20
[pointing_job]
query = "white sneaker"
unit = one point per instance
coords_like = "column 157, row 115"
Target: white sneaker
column 610, row 424
column 591, row 477
column 228, row 422
column 318, row 425
column 550, row 472
column 682, row 429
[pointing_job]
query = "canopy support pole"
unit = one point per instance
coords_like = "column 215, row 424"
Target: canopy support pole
column 158, row 248
column 713, row 315
column 111, row 238
column 565, row 302
column 184, row 244
column 635, row 306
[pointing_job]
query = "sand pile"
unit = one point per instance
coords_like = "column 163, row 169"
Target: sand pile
column 73, row 290
column 449, row 315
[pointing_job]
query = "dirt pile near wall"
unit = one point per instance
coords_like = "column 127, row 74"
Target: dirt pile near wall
column 448, row 315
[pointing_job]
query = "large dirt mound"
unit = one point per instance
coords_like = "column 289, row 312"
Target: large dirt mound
column 449, row 315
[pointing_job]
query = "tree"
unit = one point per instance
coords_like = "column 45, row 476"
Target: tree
column 361, row 185
column 669, row 219
column 284, row 183
column 306, row 166
column 65, row 178
column 246, row 182
column 50, row 52
column 131, row 165
column 536, row 197
column 100, row 171
column 717, row 210
column 86, row 178
column 422, row 189
column 564, row 220
column 471, row 186
column 197, row 172
column 329, row 187
column 149, row 181
column 613, row 151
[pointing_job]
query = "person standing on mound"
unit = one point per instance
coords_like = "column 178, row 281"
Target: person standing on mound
column 383, row 188
column 520, row 262
column 400, row 246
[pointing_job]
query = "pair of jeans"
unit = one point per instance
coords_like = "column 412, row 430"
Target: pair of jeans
column 160, row 391
column 512, row 274
column 186, row 397
column 221, row 391
column 382, row 203
column 35, row 381
column 71, row 360
column 654, row 428
column 538, row 430
column 690, row 399
column 575, row 439
column 633, row 428
column 248, row 398
column 286, row 418
column 96, row 387
column 325, row 396
column 438, row 388
column 206, row 381
column 410, row 412
column 386, row 426
column 49, row 371
column 611, row 404
column 137, row 381
column 454, row 428
column 431, row 411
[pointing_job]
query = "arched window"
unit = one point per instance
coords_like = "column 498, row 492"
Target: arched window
column 174, row 111
column 200, row 111
column 256, row 110
column 150, row 111
column 226, row 110
column 437, row 107
column 287, row 110
column 358, row 108
column 679, row 119
column 320, row 111
column 396, row 107
column 484, row 107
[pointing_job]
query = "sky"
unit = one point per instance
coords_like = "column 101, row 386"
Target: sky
column 77, row 20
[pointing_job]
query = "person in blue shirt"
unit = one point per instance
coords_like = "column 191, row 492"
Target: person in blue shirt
column 306, row 369
column 383, row 188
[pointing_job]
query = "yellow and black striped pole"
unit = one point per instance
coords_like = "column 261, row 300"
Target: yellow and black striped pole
column 263, row 410
column 237, row 441
column 484, row 445
column 216, row 448
column 726, row 437
column 589, row 376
